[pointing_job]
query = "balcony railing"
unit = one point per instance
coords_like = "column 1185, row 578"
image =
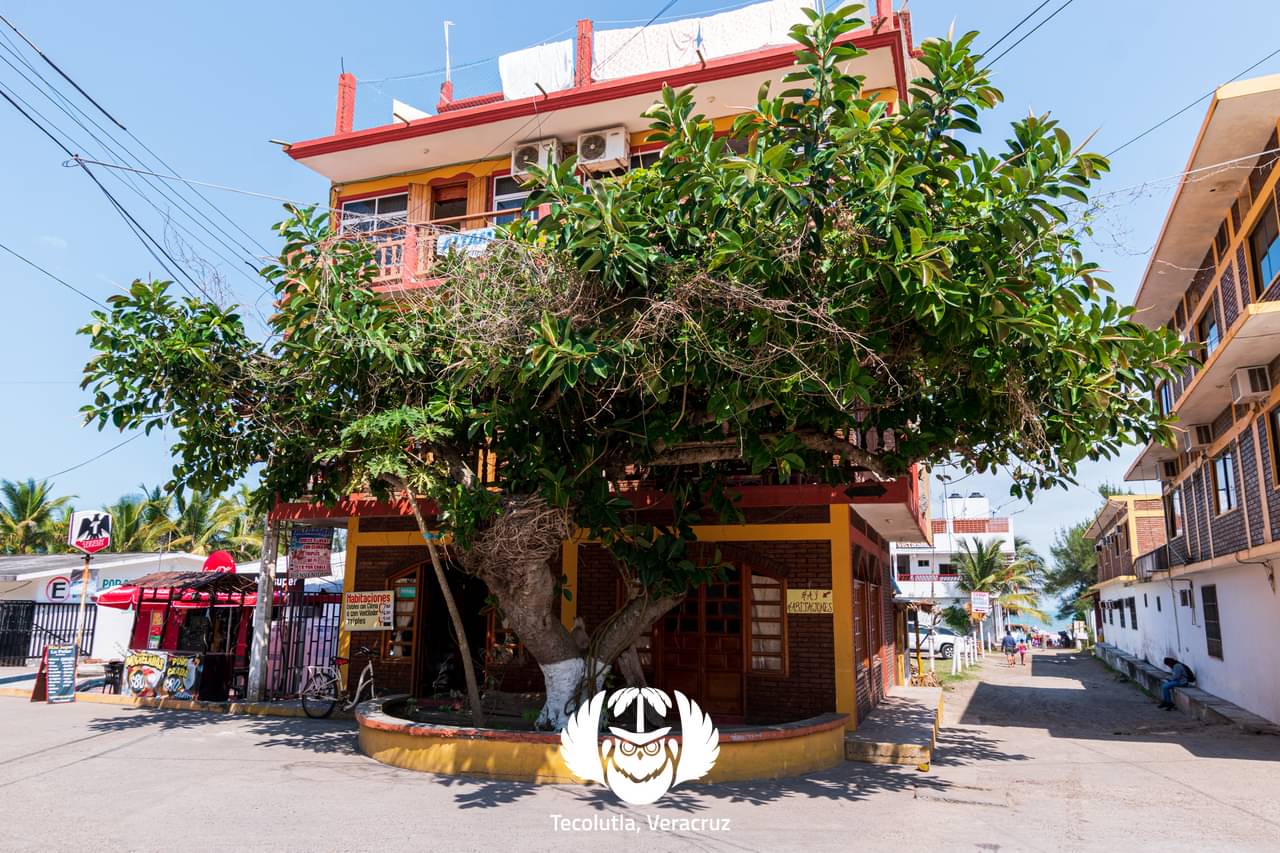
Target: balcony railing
column 1152, row 561
column 407, row 253
column 972, row 525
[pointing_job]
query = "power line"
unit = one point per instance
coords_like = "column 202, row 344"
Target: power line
column 62, row 73
column 1171, row 117
column 1015, row 27
column 60, row 281
column 93, row 459
column 1029, row 33
column 160, row 175
column 142, row 234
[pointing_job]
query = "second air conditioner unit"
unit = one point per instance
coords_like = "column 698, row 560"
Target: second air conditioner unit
column 1249, row 384
column 1197, row 436
column 543, row 153
column 604, row 150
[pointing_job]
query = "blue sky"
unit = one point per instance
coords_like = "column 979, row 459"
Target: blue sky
column 207, row 85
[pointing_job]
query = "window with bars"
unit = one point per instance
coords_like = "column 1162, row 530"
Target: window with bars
column 768, row 625
column 1225, row 494
column 400, row 639
column 1212, row 623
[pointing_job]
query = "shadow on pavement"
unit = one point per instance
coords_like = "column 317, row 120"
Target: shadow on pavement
column 326, row 737
column 1080, row 698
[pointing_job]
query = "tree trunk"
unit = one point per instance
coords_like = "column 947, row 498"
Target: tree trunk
column 464, row 647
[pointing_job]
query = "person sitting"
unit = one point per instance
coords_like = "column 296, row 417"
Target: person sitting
column 1180, row 675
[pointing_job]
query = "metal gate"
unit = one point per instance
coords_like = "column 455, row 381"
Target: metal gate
column 26, row 627
column 304, row 632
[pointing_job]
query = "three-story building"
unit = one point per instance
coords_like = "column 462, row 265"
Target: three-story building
column 422, row 184
column 1214, row 278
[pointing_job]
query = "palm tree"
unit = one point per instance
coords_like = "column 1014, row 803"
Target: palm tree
column 196, row 527
column 137, row 524
column 28, row 514
column 241, row 525
column 982, row 567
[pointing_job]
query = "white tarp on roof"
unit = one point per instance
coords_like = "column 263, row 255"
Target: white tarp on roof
column 549, row 65
column 641, row 50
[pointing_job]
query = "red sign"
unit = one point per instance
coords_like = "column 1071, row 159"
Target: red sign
column 90, row 531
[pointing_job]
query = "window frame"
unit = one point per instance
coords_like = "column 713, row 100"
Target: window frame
column 1273, row 442
column 1133, row 612
column 1268, row 216
column 1212, row 623
column 1173, row 521
column 495, row 197
column 380, row 222
column 1231, row 489
column 1209, row 337
column 389, row 637
column 783, row 656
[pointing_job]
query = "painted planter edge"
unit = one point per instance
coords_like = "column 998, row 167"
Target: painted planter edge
column 767, row 752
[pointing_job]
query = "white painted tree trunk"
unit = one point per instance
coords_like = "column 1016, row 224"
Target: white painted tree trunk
column 562, row 679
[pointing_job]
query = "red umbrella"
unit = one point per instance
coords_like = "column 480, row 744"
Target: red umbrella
column 219, row 561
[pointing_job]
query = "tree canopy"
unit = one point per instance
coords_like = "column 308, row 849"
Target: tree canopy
column 840, row 285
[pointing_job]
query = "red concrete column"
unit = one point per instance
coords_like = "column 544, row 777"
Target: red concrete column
column 346, row 104
column 446, row 96
column 584, row 56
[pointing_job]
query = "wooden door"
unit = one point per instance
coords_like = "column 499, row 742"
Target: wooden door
column 861, row 656
column 702, row 648
column 449, row 203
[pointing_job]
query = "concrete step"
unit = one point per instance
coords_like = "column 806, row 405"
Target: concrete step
column 1192, row 701
column 902, row 729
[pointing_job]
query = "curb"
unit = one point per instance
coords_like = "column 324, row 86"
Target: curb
column 250, row 709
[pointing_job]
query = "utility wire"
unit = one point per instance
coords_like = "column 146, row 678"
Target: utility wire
column 1015, row 27
column 138, row 230
column 93, row 459
column 1174, row 115
column 1030, row 32
column 60, row 281
column 62, row 73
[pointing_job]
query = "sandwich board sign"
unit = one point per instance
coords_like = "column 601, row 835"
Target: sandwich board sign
column 90, row 531
column 56, row 679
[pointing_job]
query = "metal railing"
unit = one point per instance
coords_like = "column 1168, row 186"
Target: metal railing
column 1152, row 561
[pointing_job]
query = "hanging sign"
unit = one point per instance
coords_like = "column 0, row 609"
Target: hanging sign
column 367, row 611
column 56, row 679
column 980, row 602
column 809, row 601
column 309, row 550
column 155, row 629
column 89, row 531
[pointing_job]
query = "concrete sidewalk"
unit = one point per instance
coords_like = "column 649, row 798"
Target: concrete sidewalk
column 1193, row 701
column 902, row 729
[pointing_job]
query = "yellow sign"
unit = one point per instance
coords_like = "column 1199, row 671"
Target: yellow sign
column 809, row 601
column 367, row 611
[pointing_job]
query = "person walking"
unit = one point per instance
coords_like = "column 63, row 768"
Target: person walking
column 1022, row 652
column 1180, row 675
column 1009, row 646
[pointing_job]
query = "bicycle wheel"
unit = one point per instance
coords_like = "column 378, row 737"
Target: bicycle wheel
column 318, row 699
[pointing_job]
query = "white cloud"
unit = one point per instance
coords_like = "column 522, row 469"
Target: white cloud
column 53, row 241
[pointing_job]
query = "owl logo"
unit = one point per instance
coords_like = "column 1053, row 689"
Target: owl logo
column 640, row 766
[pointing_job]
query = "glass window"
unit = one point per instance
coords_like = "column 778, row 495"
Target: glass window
column 1225, row 494
column 1212, row 621
column 1264, row 245
column 1220, row 241
column 947, row 569
column 1207, row 329
column 904, row 565
column 1166, row 398
column 1133, row 613
column 400, row 639
column 768, row 624
column 375, row 214
column 1173, row 513
column 1273, row 435
column 645, row 159
column 923, row 564
column 508, row 194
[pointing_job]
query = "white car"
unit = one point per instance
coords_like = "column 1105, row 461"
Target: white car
column 935, row 639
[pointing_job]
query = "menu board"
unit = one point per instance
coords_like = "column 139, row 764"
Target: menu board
column 56, row 679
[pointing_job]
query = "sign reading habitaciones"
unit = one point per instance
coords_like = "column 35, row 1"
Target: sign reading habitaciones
column 809, row 601
column 367, row 611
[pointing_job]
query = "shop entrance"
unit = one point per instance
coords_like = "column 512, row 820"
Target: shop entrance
column 701, row 647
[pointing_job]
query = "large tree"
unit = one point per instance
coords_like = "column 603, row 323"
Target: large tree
column 1074, row 570
column 857, row 292
column 29, row 517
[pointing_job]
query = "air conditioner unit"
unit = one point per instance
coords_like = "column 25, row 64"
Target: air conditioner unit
column 1169, row 470
column 1196, row 437
column 1249, row 384
column 604, row 150
column 543, row 153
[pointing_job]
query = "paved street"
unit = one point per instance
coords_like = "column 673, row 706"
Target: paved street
column 1058, row 755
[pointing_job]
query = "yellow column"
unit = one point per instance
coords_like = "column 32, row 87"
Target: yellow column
column 842, row 615
column 569, row 566
column 348, row 585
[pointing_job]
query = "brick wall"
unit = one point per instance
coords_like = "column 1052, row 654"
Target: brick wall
column 1242, row 270
column 388, row 524
column 1250, row 495
column 1230, row 297
column 1151, row 534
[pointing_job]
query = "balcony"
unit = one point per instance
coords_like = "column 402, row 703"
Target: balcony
column 1151, row 562
column 407, row 253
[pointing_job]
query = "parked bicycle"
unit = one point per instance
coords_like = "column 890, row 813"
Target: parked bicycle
column 325, row 687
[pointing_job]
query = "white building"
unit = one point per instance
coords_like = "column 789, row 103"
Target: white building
column 927, row 572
